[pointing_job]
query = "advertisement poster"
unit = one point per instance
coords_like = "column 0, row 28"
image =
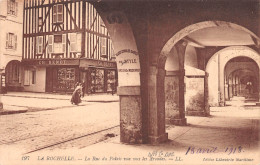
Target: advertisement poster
column 129, row 82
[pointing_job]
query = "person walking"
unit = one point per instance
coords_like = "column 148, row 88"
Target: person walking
column 75, row 99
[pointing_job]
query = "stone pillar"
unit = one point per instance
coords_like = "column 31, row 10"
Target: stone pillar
column 226, row 88
column 237, row 87
column 195, row 95
column 234, row 85
column 130, row 114
column 181, row 120
column 156, row 107
column 221, row 83
column 171, row 96
column 206, row 94
column 230, row 87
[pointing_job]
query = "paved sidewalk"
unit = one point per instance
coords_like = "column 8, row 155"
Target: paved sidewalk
column 88, row 98
column 218, row 139
column 14, row 108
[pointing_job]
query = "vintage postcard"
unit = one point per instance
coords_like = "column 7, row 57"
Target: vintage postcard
column 129, row 82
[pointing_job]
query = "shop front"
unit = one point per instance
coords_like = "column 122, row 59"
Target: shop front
column 52, row 75
column 98, row 76
column 61, row 78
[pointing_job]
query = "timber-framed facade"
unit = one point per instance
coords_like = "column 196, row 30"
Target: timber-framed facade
column 65, row 42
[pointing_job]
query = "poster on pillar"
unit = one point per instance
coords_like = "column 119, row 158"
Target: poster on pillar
column 128, row 67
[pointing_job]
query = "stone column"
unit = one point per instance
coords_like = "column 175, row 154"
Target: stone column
column 156, row 106
column 206, row 94
column 130, row 114
column 226, row 88
column 172, row 96
column 234, row 85
column 181, row 47
column 230, row 87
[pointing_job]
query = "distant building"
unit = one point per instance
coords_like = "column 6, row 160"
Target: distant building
column 65, row 42
column 11, row 25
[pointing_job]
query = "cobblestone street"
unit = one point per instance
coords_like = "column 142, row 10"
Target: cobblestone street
column 63, row 122
column 55, row 127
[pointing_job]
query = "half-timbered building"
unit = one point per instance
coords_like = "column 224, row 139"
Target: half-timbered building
column 65, row 42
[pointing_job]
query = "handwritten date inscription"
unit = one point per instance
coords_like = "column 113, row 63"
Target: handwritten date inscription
column 227, row 150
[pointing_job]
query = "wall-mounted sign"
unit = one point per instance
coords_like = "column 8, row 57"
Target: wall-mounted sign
column 128, row 66
column 97, row 63
column 51, row 62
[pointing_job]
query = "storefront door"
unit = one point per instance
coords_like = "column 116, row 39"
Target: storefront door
column 49, row 79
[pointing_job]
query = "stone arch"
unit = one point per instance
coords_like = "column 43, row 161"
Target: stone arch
column 125, row 47
column 13, row 74
column 219, row 60
column 128, row 67
column 242, row 76
column 198, row 26
column 176, row 40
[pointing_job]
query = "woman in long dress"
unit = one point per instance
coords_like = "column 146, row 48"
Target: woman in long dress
column 75, row 99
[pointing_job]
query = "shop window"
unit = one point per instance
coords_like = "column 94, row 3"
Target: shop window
column 66, row 79
column 12, row 7
column 75, row 42
column 11, row 41
column 97, row 80
column 58, row 13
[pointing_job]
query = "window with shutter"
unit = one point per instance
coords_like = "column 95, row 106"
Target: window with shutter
column 55, row 14
column 39, row 44
column 63, row 43
column 12, row 7
column 75, row 42
column 103, row 44
column 58, row 13
column 50, row 44
column 11, row 41
column 7, row 40
column 15, row 42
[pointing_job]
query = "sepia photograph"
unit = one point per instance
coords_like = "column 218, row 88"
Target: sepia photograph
column 129, row 82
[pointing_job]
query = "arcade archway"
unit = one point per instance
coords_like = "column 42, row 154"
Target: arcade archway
column 241, row 78
column 215, row 68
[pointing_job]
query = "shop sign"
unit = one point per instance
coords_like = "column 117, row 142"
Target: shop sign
column 52, row 62
column 128, row 66
column 97, row 63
